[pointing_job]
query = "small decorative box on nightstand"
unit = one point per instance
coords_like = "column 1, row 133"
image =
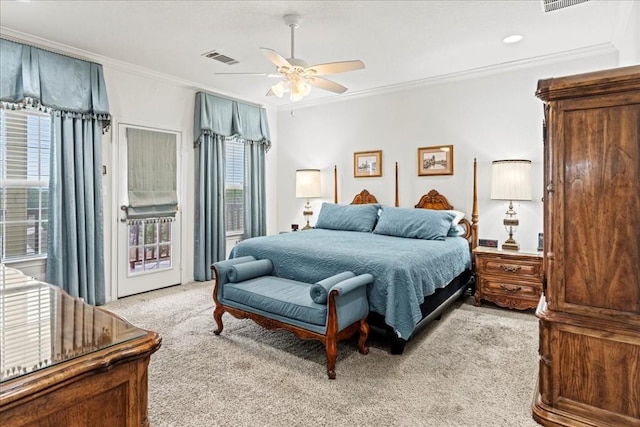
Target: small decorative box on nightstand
column 508, row 278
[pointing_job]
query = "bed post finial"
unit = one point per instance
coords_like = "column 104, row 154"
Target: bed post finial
column 397, row 202
column 474, row 212
column 335, row 183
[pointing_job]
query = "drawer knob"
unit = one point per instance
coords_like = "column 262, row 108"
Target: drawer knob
column 510, row 289
column 510, row 268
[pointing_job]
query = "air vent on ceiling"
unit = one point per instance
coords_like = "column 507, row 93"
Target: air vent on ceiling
column 214, row 54
column 551, row 5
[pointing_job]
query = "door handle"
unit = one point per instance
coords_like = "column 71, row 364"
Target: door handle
column 124, row 209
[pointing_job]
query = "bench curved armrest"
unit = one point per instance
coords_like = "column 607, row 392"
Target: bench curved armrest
column 349, row 285
column 348, row 302
column 221, row 270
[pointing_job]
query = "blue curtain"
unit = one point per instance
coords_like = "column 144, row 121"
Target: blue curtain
column 75, row 250
column 75, row 90
column 35, row 76
column 215, row 119
column 210, row 230
column 255, row 220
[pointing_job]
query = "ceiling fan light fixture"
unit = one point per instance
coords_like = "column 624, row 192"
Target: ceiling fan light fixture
column 299, row 90
column 302, row 88
column 279, row 88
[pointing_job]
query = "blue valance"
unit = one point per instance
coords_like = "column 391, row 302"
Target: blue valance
column 220, row 116
column 35, row 76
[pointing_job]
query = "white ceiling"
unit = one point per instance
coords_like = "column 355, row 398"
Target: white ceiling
column 399, row 41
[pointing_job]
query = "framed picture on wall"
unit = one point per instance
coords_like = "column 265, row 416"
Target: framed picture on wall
column 436, row 160
column 367, row 164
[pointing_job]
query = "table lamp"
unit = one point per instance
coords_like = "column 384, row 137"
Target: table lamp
column 511, row 180
column 307, row 187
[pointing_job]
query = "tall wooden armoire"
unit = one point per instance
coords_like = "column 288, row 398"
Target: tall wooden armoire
column 590, row 311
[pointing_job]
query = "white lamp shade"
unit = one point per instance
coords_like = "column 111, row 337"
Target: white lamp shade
column 308, row 183
column 279, row 88
column 511, row 180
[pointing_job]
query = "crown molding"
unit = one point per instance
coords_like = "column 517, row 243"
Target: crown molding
column 594, row 50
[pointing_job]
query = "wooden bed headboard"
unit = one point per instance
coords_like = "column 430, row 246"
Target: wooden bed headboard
column 432, row 200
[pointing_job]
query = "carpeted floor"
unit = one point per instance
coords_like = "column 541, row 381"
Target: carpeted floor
column 477, row 366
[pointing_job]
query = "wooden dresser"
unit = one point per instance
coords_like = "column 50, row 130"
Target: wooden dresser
column 66, row 363
column 589, row 371
column 508, row 278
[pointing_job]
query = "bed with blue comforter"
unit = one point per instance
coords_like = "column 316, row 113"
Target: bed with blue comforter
column 412, row 254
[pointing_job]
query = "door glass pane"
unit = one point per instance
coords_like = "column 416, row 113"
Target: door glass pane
column 149, row 246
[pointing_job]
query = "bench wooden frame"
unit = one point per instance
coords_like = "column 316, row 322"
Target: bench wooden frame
column 330, row 340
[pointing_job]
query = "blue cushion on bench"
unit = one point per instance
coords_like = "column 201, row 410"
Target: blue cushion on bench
column 249, row 270
column 276, row 295
column 319, row 291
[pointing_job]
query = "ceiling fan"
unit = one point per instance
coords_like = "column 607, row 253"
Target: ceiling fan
column 297, row 77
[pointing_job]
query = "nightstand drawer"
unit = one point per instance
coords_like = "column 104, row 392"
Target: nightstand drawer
column 506, row 288
column 497, row 265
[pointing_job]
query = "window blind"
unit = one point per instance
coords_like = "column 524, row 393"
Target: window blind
column 234, row 187
column 25, row 141
column 151, row 174
column 25, row 324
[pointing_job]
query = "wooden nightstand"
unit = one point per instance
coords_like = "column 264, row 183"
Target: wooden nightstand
column 508, row 278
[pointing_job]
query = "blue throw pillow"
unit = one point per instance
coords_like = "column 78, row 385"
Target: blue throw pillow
column 319, row 291
column 348, row 217
column 414, row 223
column 249, row 270
column 456, row 231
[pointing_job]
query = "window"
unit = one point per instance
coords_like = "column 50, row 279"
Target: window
column 25, row 138
column 234, row 187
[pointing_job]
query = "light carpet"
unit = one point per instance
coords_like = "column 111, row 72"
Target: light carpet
column 477, row 366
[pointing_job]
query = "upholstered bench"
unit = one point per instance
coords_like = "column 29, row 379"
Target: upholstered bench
column 330, row 310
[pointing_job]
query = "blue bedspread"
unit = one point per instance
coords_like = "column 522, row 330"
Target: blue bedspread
column 404, row 270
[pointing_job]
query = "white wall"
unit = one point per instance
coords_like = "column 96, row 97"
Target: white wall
column 627, row 39
column 488, row 116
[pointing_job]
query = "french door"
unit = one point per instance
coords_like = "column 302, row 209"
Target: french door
column 148, row 248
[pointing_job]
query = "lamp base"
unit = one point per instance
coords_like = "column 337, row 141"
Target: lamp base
column 307, row 227
column 511, row 246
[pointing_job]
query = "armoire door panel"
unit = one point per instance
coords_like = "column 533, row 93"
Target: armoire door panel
column 602, row 184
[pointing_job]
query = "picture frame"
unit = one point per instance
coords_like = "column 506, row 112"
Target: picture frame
column 367, row 164
column 435, row 160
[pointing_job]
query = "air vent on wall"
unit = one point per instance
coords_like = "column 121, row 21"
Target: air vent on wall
column 214, row 54
column 551, row 5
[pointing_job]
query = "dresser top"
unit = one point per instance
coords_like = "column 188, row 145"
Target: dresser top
column 41, row 326
column 496, row 251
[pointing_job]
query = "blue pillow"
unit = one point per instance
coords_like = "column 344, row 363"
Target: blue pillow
column 249, row 270
column 456, row 231
column 424, row 224
column 348, row 217
column 319, row 291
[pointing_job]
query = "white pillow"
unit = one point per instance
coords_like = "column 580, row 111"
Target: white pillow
column 457, row 218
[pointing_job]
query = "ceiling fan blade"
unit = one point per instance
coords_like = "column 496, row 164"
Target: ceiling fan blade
column 336, row 67
column 326, row 84
column 275, row 57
